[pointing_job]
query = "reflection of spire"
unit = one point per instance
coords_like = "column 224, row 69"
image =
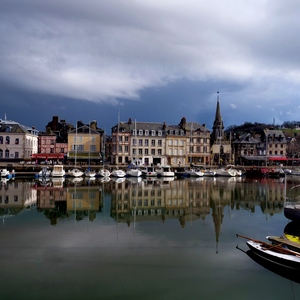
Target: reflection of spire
column 217, row 214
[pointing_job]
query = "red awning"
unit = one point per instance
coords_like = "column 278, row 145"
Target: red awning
column 277, row 158
column 47, row 156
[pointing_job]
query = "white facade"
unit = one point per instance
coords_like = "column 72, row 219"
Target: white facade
column 17, row 141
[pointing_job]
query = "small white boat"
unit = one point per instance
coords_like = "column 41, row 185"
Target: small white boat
column 209, row 173
column 90, row 173
column 75, row 172
column 58, row 171
column 148, row 171
column 165, row 171
column 118, row 173
column 4, row 173
column 133, row 171
column 45, row 172
column 228, row 171
column 104, row 173
column 276, row 254
column 195, row 172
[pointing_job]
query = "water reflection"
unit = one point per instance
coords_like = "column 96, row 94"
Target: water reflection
column 143, row 199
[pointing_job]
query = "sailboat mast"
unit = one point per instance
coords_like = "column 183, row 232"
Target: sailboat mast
column 220, row 133
column 76, row 146
column 117, row 152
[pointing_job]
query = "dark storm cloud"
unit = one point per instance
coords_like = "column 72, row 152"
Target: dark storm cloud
column 138, row 54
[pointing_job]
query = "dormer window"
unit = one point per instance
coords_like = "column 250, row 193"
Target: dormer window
column 134, row 132
column 140, row 132
column 159, row 133
column 146, row 132
column 153, row 132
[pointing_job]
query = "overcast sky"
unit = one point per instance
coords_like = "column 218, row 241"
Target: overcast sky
column 150, row 60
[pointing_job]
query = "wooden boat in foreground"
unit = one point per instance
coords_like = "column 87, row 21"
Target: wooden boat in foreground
column 274, row 253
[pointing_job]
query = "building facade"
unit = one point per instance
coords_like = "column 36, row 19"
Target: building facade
column 17, row 142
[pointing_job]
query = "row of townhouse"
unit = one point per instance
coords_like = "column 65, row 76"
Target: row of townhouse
column 143, row 143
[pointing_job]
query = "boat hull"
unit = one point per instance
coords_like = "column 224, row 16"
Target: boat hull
column 284, row 260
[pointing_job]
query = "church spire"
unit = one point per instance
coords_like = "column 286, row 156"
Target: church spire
column 218, row 126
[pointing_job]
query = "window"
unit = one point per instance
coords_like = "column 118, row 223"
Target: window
column 140, row 142
column 181, row 132
column 153, row 143
column 181, row 143
column 146, row 142
column 146, row 132
column 140, row 132
column 51, row 150
column 153, row 132
column 159, row 133
column 16, row 154
column 121, row 138
column 159, row 152
column 146, row 151
column 17, row 141
column 1, row 139
column 62, row 150
column 140, row 151
column 6, row 153
column 170, row 151
column 126, row 138
column 152, row 151
column 134, row 132
column 126, row 148
column 175, row 142
column 120, row 148
column 170, row 142
column 134, row 142
column 7, row 140
column 92, row 148
column 159, row 143
column 134, row 151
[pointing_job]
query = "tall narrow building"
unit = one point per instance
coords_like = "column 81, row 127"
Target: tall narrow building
column 218, row 126
column 220, row 147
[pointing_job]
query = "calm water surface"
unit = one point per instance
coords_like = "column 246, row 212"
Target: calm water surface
column 140, row 239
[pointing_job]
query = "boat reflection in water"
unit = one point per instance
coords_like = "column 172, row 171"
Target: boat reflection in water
column 288, row 273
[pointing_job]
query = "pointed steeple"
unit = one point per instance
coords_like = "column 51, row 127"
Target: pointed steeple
column 218, row 126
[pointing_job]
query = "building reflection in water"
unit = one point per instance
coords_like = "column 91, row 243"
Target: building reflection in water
column 16, row 197
column 139, row 200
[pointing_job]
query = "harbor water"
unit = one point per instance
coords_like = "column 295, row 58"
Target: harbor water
column 140, row 239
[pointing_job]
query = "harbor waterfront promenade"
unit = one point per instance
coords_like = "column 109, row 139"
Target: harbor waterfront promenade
column 28, row 170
